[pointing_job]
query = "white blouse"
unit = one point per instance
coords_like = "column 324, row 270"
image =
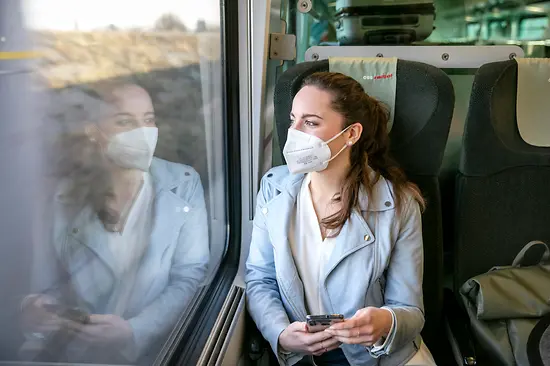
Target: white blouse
column 308, row 248
column 129, row 245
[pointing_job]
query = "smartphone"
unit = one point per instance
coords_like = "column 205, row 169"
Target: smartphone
column 317, row 323
column 74, row 314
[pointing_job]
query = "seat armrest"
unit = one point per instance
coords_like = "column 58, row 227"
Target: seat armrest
column 458, row 330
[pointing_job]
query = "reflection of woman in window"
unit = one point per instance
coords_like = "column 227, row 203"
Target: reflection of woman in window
column 338, row 230
column 130, row 234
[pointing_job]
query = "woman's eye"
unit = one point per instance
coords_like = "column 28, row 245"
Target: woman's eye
column 124, row 122
column 150, row 121
column 292, row 122
column 310, row 123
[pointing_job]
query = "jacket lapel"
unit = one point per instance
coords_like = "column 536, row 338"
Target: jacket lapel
column 168, row 219
column 169, row 213
column 278, row 215
column 86, row 233
column 356, row 233
column 89, row 261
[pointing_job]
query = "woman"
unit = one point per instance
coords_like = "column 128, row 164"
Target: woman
column 338, row 230
column 130, row 237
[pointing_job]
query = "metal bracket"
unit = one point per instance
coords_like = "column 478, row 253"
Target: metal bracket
column 282, row 46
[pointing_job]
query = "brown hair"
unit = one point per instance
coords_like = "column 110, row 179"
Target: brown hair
column 83, row 165
column 370, row 152
column 79, row 159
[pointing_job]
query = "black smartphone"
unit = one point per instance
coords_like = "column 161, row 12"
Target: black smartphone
column 74, row 314
column 317, row 323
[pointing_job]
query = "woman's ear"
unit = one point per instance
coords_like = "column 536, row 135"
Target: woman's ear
column 92, row 132
column 355, row 132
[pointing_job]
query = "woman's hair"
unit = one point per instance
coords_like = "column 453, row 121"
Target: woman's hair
column 79, row 160
column 83, row 166
column 370, row 152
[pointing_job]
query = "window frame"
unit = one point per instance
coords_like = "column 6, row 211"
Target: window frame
column 188, row 339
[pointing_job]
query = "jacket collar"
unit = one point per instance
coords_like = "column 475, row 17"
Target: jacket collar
column 164, row 179
column 382, row 196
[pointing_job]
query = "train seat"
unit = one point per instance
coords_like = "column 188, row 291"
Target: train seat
column 502, row 195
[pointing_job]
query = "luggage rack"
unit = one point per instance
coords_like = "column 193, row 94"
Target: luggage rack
column 459, row 57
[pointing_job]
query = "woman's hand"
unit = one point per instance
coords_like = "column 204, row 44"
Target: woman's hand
column 295, row 338
column 366, row 327
column 37, row 318
column 105, row 329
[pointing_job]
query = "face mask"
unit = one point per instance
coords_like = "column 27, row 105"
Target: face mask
column 306, row 153
column 133, row 149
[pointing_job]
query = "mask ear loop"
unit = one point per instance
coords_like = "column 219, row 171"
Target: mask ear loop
column 338, row 135
column 346, row 145
column 97, row 142
column 88, row 131
column 338, row 153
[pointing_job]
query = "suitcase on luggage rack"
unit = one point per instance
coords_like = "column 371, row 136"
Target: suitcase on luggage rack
column 370, row 22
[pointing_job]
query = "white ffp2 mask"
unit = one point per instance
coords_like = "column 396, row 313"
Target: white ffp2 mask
column 133, row 149
column 306, row 153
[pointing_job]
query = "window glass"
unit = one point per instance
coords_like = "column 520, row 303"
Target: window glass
column 131, row 105
column 473, row 30
column 533, row 28
column 499, row 30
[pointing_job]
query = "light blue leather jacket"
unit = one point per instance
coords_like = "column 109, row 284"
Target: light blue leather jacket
column 78, row 268
column 377, row 261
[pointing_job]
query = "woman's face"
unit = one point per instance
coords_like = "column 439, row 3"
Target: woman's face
column 130, row 107
column 312, row 113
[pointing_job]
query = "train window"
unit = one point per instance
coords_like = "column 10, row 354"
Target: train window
column 499, row 30
column 473, row 30
column 134, row 157
column 533, row 28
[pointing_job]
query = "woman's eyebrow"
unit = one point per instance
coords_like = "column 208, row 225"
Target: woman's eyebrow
column 306, row 115
column 123, row 114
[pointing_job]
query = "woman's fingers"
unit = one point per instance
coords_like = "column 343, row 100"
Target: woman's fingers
column 334, row 347
column 365, row 340
column 84, row 336
column 331, row 343
column 313, row 338
column 48, row 323
column 325, row 346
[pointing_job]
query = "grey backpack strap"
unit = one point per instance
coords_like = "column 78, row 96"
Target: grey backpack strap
column 544, row 259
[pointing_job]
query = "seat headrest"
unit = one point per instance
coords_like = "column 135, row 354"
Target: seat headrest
column 533, row 101
column 424, row 104
column 492, row 140
column 377, row 76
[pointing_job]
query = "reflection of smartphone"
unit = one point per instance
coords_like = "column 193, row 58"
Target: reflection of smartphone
column 74, row 314
column 317, row 323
